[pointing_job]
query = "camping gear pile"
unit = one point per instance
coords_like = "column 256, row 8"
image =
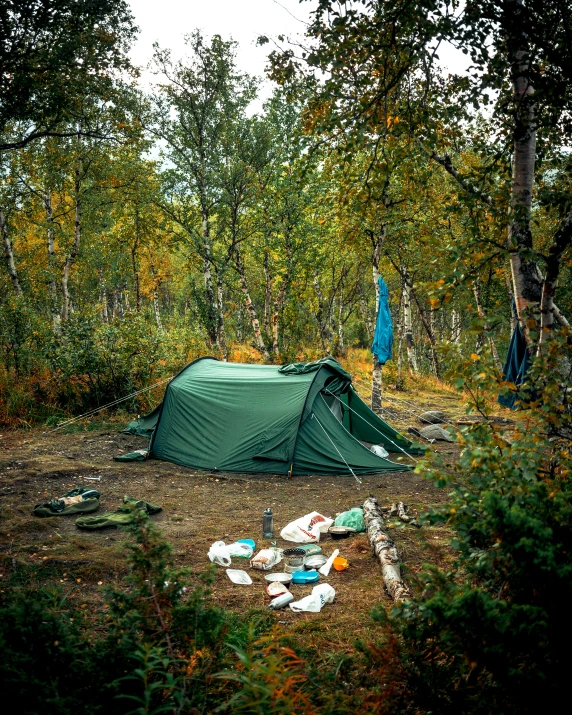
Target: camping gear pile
column 304, row 564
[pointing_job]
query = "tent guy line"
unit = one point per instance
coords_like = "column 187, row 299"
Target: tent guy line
column 397, row 401
column 337, row 450
column 90, row 413
column 380, row 433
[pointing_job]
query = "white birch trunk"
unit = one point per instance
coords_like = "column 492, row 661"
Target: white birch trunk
column 383, row 547
column 156, row 309
column 258, row 339
column 376, row 373
column 267, row 294
column 212, row 302
column 407, row 327
column 9, row 255
column 52, row 288
column 221, row 333
column 72, row 255
column 525, row 282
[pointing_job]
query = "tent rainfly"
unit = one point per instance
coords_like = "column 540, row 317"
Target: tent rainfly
column 298, row 419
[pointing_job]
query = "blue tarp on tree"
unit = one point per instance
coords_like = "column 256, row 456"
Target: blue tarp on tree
column 515, row 367
column 383, row 337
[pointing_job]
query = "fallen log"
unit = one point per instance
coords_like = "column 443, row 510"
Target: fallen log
column 384, row 548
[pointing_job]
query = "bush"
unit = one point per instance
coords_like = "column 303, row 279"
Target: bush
column 493, row 633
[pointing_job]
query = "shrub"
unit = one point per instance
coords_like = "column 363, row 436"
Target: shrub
column 492, row 634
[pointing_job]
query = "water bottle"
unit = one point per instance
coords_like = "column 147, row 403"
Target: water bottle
column 268, row 524
column 281, row 601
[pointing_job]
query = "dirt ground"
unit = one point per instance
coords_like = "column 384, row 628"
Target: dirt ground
column 198, row 509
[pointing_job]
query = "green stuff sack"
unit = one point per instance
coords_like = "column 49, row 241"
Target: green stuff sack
column 352, row 518
column 119, row 517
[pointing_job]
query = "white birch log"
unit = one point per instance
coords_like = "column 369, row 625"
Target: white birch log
column 384, row 549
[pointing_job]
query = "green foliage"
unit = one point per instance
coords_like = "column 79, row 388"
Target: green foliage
column 492, row 633
column 155, row 647
column 270, row 677
column 53, row 54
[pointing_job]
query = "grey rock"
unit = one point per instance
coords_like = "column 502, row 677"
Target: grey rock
column 436, row 432
column 433, row 417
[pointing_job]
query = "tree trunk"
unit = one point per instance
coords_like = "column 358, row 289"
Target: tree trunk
column 341, row 345
column 376, row 373
column 102, row 298
column 481, row 312
column 134, row 262
column 322, row 316
column 258, row 339
column 383, row 547
column 52, row 288
column 455, row 327
column 526, row 286
column 561, row 241
column 221, row 332
column 9, row 255
column 212, row 302
column 399, row 383
column 430, row 335
column 407, row 328
column 156, row 309
column 267, row 293
column 277, row 309
column 72, row 255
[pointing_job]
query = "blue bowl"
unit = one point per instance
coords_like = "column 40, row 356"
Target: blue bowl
column 305, row 576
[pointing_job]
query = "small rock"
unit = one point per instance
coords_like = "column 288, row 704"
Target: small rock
column 433, row 417
column 436, row 432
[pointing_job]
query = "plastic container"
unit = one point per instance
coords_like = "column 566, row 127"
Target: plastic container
column 310, row 549
column 315, row 561
column 305, row 577
column 340, row 564
column 284, row 578
column 340, row 532
column 268, row 524
column 239, row 577
column 249, row 542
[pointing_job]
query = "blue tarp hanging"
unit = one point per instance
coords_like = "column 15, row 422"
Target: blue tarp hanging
column 515, row 367
column 383, row 338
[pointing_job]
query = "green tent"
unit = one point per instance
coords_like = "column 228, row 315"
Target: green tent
column 300, row 419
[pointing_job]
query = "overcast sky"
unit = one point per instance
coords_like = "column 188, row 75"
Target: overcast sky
column 167, row 22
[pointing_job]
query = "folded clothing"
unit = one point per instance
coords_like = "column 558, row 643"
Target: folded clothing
column 80, row 500
column 119, row 517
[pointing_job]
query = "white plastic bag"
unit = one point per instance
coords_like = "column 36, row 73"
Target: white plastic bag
column 321, row 594
column 307, row 529
column 240, row 549
column 266, row 559
column 239, row 576
column 218, row 554
column 221, row 553
column 379, row 450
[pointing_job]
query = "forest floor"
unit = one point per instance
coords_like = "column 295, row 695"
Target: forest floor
column 200, row 508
